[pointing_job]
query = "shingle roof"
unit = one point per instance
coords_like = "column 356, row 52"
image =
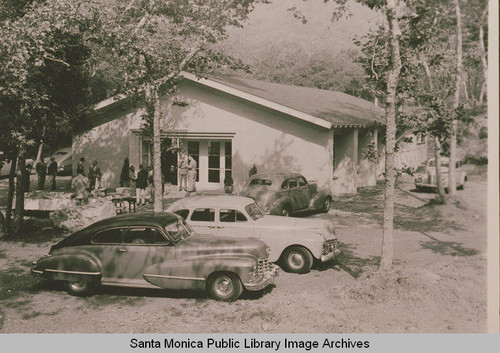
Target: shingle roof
column 338, row 108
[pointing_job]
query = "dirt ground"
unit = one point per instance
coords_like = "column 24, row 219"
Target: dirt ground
column 438, row 283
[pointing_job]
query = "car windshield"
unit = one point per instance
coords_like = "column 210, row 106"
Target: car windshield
column 265, row 182
column 254, row 211
column 178, row 230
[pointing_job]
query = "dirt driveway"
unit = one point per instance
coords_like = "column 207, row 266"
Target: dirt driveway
column 438, row 283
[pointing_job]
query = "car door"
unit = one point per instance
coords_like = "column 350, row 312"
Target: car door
column 232, row 222
column 303, row 194
column 294, row 194
column 141, row 248
column 105, row 246
column 202, row 220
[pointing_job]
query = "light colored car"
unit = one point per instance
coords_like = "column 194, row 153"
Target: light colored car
column 425, row 175
column 294, row 242
column 159, row 251
column 286, row 193
column 64, row 159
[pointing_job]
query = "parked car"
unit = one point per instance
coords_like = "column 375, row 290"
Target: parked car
column 286, row 193
column 6, row 164
column 294, row 242
column 156, row 250
column 64, row 159
column 425, row 175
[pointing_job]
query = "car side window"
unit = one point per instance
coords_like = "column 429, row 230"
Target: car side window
column 144, row 236
column 183, row 213
column 284, row 186
column 203, row 215
column 231, row 216
column 292, row 183
column 302, row 181
column 109, row 236
column 255, row 182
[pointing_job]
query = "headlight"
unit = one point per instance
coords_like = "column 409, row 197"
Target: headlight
column 268, row 250
column 329, row 229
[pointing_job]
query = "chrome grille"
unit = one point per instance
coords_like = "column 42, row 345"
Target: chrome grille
column 263, row 266
column 330, row 245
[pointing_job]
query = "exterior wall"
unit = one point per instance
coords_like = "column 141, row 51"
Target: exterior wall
column 410, row 154
column 109, row 144
column 270, row 140
column 346, row 151
column 367, row 170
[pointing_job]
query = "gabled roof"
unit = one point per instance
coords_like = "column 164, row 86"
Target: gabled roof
column 323, row 108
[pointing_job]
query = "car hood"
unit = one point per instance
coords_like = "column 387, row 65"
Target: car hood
column 270, row 221
column 207, row 245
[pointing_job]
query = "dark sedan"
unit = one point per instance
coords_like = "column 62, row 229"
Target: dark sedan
column 286, row 193
column 159, row 251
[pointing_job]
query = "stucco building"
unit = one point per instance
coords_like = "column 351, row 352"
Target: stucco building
column 229, row 124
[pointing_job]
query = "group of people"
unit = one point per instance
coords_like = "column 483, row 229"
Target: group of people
column 141, row 183
column 83, row 184
column 42, row 171
column 187, row 173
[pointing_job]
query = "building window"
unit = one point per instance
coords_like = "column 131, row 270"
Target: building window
column 214, row 162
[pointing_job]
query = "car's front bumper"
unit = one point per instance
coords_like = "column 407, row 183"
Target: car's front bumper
column 263, row 280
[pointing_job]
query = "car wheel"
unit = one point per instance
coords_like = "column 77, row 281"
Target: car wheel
column 297, row 259
column 285, row 211
column 326, row 205
column 226, row 287
column 80, row 289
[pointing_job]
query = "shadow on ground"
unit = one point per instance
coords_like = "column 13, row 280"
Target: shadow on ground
column 349, row 262
column 446, row 247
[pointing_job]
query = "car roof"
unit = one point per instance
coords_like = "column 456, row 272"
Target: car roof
column 212, row 201
column 146, row 219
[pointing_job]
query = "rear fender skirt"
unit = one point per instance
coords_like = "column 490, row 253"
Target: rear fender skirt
column 59, row 275
column 69, row 267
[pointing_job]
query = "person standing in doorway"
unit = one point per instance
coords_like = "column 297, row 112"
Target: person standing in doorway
column 94, row 176
column 141, row 185
column 52, row 170
column 183, row 171
column 80, row 183
column 191, row 174
column 41, row 170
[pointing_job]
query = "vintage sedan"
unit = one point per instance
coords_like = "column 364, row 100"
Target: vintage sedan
column 294, row 242
column 286, row 193
column 425, row 175
column 159, row 251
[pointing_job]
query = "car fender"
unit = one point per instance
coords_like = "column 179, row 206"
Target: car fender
column 318, row 198
column 69, row 267
column 192, row 273
column 277, row 205
column 279, row 240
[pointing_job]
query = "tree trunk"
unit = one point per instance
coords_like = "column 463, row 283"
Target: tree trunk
column 157, row 180
column 452, row 183
column 10, row 194
column 39, row 153
column 19, row 216
column 437, row 160
column 390, row 173
column 485, row 63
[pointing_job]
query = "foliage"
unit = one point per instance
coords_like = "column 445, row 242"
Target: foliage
column 124, row 175
column 370, row 153
column 253, row 170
